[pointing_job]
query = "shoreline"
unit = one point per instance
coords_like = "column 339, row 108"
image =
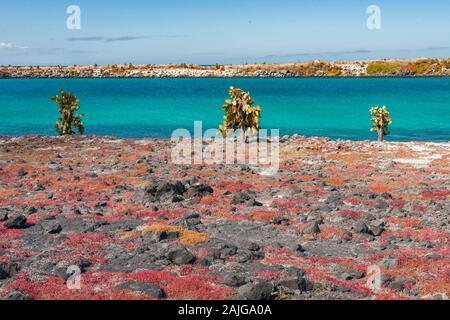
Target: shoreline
column 414, row 68
column 284, row 137
column 242, row 77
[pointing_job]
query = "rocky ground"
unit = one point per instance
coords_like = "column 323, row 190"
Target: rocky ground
column 138, row 227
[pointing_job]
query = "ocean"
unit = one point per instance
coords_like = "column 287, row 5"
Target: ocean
column 136, row 108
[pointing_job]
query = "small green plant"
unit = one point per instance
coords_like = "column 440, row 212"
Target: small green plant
column 381, row 121
column 68, row 104
column 240, row 114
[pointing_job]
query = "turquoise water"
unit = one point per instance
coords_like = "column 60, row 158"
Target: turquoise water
column 336, row 108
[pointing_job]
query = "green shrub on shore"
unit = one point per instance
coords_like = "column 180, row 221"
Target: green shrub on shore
column 68, row 104
column 73, row 73
column 424, row 67
column 446, row 63
column 4, row 73
column 419, row 67
column 383, row 68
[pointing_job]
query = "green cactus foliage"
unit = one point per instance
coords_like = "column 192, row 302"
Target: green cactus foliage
column 68, row 105
column 240, row 113
column 381, row 120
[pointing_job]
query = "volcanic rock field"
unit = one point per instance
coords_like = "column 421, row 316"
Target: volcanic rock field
column 121, row 218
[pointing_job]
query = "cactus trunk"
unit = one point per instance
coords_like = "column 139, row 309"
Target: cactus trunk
column 380, row 135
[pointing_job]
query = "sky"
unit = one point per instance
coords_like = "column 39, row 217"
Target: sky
column 219, row 31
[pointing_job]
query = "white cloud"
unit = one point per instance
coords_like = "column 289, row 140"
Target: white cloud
column 4, row 45
column 9, row 45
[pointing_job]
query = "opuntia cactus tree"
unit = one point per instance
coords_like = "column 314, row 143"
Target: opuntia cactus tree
column 240, row 114
column 381, row 120
column 68, row 105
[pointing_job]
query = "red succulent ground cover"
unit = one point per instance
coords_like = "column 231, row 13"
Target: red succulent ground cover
column 113, row 209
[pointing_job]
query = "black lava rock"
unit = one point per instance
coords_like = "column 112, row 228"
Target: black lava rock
column 17, row 295
column 16, row 222
column 150, row 290
column 55, row 229
column 312, row 229
column 256, row 291
column 361, row 227
column 180, row 256
column 233, row 280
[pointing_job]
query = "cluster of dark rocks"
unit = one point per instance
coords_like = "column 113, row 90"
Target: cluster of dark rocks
column 168, row 192
column 18, row 221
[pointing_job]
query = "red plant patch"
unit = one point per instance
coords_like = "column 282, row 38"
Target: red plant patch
column 405, row 221
column 333, row 232
column 356, row 215
column 398, row 203
column 94, row 286
column 184, row 287
column 335, row 180
column 428, row 234
column 352, row 201
column 261, row 215
column 380, row 187
column 436, row 195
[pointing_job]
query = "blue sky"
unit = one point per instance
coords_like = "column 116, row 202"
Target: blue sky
column 219, row 31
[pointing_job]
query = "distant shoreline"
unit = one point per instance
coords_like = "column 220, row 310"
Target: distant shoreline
column 417, row 68
column 237, row 77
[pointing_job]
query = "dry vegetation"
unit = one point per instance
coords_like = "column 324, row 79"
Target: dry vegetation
column 401, row 68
